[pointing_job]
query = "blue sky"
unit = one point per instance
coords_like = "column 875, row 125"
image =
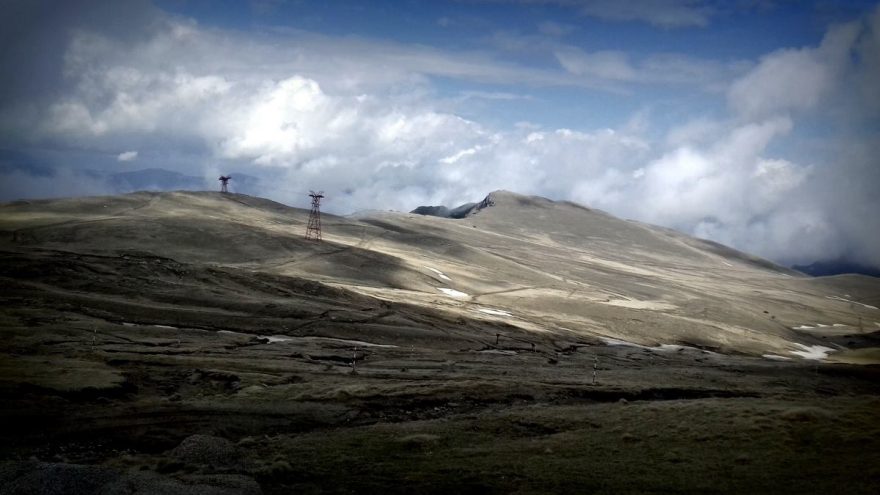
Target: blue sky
column 753, row 123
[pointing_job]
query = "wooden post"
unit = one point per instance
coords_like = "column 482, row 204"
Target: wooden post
column 595, row 368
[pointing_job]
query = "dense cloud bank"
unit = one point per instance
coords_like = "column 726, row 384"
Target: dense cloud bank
column 360, row 119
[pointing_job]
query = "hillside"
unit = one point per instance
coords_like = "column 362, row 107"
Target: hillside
column 149, row 317
column 557, row 270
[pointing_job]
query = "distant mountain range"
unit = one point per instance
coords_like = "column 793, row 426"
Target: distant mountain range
column 158, row 179
column 836, row 267
column 154, row 179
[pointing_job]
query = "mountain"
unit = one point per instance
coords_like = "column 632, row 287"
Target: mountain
column 443, row 212
column 183, row 339
column 555, row 267
column 837, row 267
column 156, row 179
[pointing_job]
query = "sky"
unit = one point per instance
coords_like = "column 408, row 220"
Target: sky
column 754, row 123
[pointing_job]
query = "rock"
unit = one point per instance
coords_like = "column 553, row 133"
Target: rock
column 208, row 451
column 419, row 441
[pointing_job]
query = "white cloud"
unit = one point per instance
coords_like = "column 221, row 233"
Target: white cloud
column 867, row 73
column 493, row 95
column 699, row 130
column 793, row 79
column 730, row 192
column 603, row 64
column 127, row 156
column 664, row 68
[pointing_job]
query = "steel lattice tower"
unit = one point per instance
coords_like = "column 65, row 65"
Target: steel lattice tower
column 313, row 230
column 224, row 179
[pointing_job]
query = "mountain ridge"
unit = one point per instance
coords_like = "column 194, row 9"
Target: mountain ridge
column 509, row 200
column 555, row 267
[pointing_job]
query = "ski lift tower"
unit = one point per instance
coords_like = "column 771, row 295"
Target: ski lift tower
column 224, row 179
column 313, row 230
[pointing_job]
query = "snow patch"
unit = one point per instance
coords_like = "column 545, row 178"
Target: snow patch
column 129, row 324
column 803, row 327
column 271, row 338
column 498, row 351
column 453, row 293
column 439, row 273
column 496, row 312
column 659, row 348
column 359, row 343
column 838, row 298
column 815, row 352
column 775, row 357
column 274, row 339
column 671, row 347
column 634, row 304
column 610, row 341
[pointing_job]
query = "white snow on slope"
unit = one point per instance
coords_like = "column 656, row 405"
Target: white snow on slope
column 610, row 341
column 775, row 357
column 838, row 298
column 659, row 348
column 496, row 312
column 359, row 343
column 815, row 352
column 453, row 293
column 274, row 339
column 439, row 273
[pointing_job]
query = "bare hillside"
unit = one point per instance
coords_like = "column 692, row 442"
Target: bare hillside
column 529, row 262
column 184, row 341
